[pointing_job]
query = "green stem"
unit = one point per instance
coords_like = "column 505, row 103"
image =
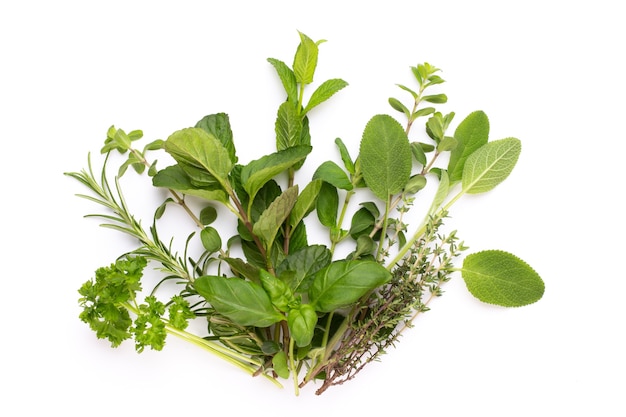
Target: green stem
column 383, row 230
column 292, row 365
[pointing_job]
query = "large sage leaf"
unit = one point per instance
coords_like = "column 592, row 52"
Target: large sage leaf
column 342, row 283
column 490, row 165
column 385, row 156
column 244, row 302
column 471, row 134
column 258, row 172
column 200, row 153
column 501, row 278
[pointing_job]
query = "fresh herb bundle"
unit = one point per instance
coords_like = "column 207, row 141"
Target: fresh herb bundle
column 275, row 305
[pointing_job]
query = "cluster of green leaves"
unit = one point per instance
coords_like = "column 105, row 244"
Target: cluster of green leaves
column 275, row 304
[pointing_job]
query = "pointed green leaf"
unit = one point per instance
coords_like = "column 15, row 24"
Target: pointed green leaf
column 301, row 322
column 398, row 106
column 490, row 165
column 471, row 134
column 200, row 154
column 442, row 192
column 342, row 283
column 498, row 277
column 270, row 221
column 305, row 202
column 288, row 78
column 218, row 125
column 244, row 302
column 304, row 264
column 331, row 173
column 325, row 91
column 288, row 126
column 436, row 98
column 345, row 156
column 176, row 179
column 305, row 60
column 258, row 172
column 385, row 156
column 327, row 205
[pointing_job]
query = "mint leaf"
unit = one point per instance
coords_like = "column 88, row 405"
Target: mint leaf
column 498, row 277
column 270, row 221
column 325, row 91
column 288, row 126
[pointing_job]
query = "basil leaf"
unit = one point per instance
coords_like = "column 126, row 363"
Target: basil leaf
column 244, row 302
column 342, row 283
column 304, row 263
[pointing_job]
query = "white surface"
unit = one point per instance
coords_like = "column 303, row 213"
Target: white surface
column 550, row 73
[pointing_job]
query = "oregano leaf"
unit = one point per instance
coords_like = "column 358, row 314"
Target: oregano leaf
column 501, row 278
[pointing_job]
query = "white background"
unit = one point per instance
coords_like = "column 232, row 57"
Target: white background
column 548, row 72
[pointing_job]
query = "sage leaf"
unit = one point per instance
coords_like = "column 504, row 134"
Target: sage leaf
column 288, row 79
column 270, row 221
column 470, row 134
column 325, row 91
column 304, row 263
column 331, row 173
column 244, row 302
column 288, row 126
column 490, row 165
column 501, row 278
column 258, row 172
column 218, row 125
column 385, row 156
column 342, row 283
